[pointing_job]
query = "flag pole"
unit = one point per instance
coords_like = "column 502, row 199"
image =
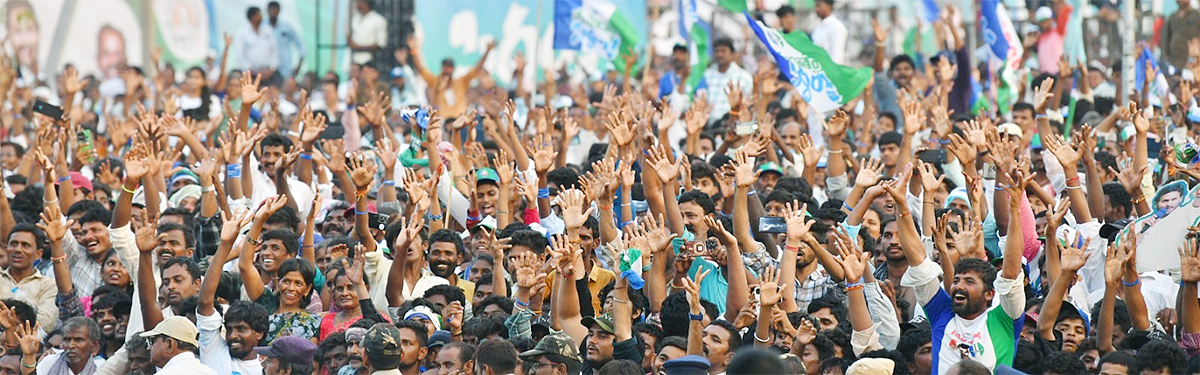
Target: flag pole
column 1127, row 58
column 537, row 41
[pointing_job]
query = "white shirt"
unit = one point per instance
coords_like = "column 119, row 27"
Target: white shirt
column 185, row 364
column 367, row 30
column 257, row 50
column 831, row 35
column 264, row 187
column 717, row 81
column 214, row 352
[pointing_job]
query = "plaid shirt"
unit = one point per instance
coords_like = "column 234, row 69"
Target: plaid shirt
column 69, row 305
column 208, row 235
column 758, row 261
column 816, row 285
column 85, row 272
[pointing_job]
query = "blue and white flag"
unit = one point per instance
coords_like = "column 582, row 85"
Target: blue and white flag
column 825, row 85
column 594, row 27
column 1161, row 86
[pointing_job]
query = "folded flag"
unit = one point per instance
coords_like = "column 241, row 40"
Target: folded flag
column 825, row 85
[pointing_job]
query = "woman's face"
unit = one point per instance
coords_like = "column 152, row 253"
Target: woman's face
column 870, row 222
column 292, row 289
column 114, row 272
column 195, row 80
column 345, row 295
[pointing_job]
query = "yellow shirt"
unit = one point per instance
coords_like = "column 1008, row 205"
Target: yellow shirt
column 597, row 280
column 467, row 287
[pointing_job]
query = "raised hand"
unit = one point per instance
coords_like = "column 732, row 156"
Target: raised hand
column 1066, row 155
column 807, row 333
column 1055, row 218
column 879, row 32
column 1114, row 263
column 137, row 162
column 853, row 260
column 385, row 149
column 1073, row 255
column 870, row 173
column 769, row 288
column 622, row 127
column 811, row 151
column 454, row 316
column 70, row 81
column 269, row 206
column 527, row 273
column 27, row 337
column 963, row 151
column 692, row 288
column 797, row 226
column 572, row 208
column 1189, row 261
column 543, row 153
column 52, row 223
column 337, row 155
column 1043, row 95
column 835, row 127
column 250, row 91
column 362, row 172
column 314, row 125
column 744, row 173
column 233, row 224
column 658, row 157
column 930, row 179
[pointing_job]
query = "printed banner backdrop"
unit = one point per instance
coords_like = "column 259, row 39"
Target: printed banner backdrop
column 461, row 30
column 1161, row 233
column 97, row 36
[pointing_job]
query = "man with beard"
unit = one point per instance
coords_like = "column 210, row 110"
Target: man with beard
column 81, row 340
column 355, row 354
column 395, row 349
column 604, row 344
column 245, row 325
column 973, row 328
column 111, row 313
column 336, row 223
column 895, row 260
column 446, row 252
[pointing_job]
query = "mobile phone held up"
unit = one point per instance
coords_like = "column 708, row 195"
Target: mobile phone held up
column 768, row 224
column 50, row 110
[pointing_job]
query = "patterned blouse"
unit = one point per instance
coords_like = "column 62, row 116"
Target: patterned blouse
column 301, row 324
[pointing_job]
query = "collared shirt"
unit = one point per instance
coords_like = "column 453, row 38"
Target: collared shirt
column 597, row 280
column 367, row 30
column 717, row 81
column 257, row 49
column 38, row 291
column 85, row 272
column 214, row 351
column 208, row 235
column 185, row 363
column 1180, row 28
column 816, row 285
column 289, row 43
column 831, row 35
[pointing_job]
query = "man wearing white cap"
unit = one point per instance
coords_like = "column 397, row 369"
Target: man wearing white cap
column 173, row 347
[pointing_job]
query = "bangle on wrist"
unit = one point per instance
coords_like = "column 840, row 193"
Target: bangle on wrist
column 762, row 340
column 253, row 242
column 1132, row 284
column 696, row 317
column 543, row 193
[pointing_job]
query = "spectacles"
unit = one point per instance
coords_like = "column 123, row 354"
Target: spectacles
column 533, row 367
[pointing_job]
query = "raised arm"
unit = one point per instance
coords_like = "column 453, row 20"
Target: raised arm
column 1114, row 270
column 362, row 173
column 250, row 278
column 1073, row 258
column 1189, row 265
column 1069, row 158
column 212, row 277
column 695, row 343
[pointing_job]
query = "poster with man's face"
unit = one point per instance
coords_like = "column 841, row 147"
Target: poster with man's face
column 1161, row 232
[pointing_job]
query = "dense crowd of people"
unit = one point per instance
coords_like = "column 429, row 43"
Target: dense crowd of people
column 236, row 222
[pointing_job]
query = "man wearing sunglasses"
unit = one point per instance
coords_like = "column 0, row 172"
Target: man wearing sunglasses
column 173, row 348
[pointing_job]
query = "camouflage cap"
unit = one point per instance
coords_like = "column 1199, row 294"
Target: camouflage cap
column 382, row 339
column 605, row 322
column 555, row 343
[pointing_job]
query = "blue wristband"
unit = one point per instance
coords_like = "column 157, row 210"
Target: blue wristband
column 1041, row 116
column 389, row 183
column 357, row 212
column 63, row 179
column 432, row 217
column 544, row 193
column 751, row 192
column 695, row 317
column 305, row 156
column 473, row 218
column 1133, row 284
column 847, row 207
column 519, row 303
column 233, row 170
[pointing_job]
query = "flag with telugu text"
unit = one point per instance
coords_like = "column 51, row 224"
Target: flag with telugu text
column 824, row 84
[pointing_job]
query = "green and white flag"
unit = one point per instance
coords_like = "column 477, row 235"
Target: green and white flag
column 825, row 85
column 594, row 27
